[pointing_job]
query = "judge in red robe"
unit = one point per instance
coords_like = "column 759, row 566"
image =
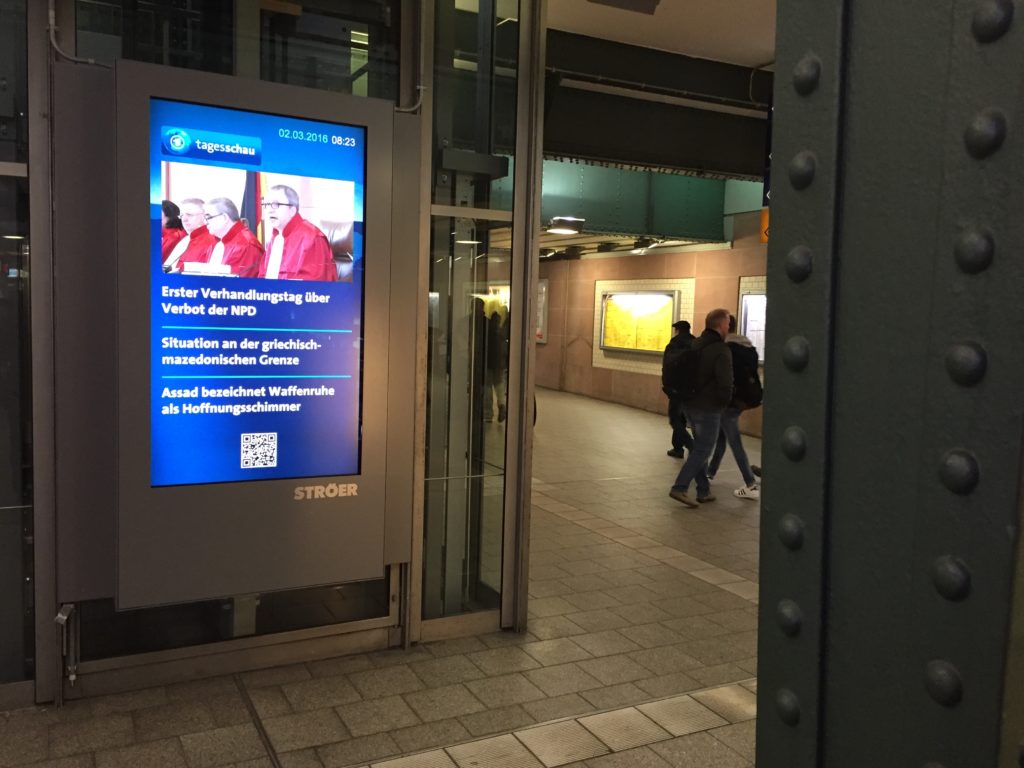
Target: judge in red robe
column 196, row 245
column 172, row 231
column 297, row 249
column 234, row 244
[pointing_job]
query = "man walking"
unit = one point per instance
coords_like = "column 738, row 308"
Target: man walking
column 708, row 366
column 680, row 342
column 747, row 393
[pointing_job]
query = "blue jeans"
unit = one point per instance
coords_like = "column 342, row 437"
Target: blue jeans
column 705, row 429
column 677, row 418
column 730, row 431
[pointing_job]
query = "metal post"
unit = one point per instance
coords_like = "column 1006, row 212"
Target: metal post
column 525, row 269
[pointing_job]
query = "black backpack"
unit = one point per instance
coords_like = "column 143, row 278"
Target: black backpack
column 748, row 393
column 680, row 371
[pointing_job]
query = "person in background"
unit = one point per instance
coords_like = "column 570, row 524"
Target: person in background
column 296, row 248
column 236, row 246
column 712, row 392
column 197, row 243
column 171, row 230
column 746, row 395
column 496, row 370
column 681, row 340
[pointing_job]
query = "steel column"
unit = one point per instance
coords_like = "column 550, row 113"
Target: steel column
column 801, row 254
column 894, row 429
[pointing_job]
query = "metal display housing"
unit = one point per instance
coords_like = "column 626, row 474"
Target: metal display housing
column 185, row 543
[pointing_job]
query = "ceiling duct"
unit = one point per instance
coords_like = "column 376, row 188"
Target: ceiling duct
column 639, row 6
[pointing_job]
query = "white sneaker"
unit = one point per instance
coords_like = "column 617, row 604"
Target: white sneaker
column 748, row 492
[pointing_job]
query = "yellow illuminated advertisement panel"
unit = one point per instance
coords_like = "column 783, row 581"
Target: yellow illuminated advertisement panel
column 637, row 322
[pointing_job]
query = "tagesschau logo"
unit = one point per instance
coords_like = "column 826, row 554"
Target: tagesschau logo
column 182, row 142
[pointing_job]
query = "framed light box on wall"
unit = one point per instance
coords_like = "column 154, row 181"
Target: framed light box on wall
column 637, row 321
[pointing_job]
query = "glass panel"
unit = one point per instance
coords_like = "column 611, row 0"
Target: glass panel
column 106, row 632
column 16, row 582
column 753, row 312
column 13, row 84
column 467, row 372
column 348, row 49
column 476, row 46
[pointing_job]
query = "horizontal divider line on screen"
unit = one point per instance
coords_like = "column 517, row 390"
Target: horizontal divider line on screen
column 257, row 376
column 242, row 328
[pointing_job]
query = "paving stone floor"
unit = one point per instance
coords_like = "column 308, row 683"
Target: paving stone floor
column 634, row 598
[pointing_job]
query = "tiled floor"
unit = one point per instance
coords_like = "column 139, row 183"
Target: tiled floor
column 633, row 598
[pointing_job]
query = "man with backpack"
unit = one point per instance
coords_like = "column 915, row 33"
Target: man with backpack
column 680, row 342
column 704, row 379
column 747, row 393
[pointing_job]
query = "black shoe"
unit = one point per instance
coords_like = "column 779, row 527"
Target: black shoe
column 676, row 454
column 756, row 470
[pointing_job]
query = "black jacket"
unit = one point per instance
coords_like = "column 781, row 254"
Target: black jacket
column 714, row 374
column 680, row 342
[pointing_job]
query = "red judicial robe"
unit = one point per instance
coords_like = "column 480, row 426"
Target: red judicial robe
column 200, row 243
column 168, row 239
column 306, row 254
column 242, row 251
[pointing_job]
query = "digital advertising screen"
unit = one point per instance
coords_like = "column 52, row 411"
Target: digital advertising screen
column 257, row 228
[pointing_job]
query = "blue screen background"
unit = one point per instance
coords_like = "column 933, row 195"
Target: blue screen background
column 323, row 438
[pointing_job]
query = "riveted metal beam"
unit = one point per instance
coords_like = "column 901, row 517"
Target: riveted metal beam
column 967, row 513
column 801, row 262
column 915, row 436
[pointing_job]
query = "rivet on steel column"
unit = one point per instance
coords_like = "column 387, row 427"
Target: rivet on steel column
column 985, row 134
column 992, row 20
column 798, row 263
column 966, row 363
column 794, row 443
column 974, row 250
column 788, row 706
column 942, row 680
column 807, row 74
column 796, row 353
column 951, row 577
column 959, row 471
column 802, row 168
column 789, row 617
column 791, row 531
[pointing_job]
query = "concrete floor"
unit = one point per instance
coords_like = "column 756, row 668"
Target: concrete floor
column 636, row 603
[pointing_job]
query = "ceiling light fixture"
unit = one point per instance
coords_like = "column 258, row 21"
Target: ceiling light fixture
column 14, row 237
column 641, row 244
column 565, row 225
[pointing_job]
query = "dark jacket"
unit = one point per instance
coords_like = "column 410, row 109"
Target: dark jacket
column 714, row 374
column 679, row 342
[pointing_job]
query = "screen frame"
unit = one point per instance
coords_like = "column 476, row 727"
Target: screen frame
column 196, row 542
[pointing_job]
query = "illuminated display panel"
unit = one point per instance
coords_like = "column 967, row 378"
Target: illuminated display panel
column 256, row 296
column 637, row 322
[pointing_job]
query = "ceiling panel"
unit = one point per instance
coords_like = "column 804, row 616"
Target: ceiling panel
column 734, row 31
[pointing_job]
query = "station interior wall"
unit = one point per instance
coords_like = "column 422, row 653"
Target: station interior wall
column 565, row 362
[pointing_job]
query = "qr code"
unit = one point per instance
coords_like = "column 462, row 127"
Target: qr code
column 259, row 449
